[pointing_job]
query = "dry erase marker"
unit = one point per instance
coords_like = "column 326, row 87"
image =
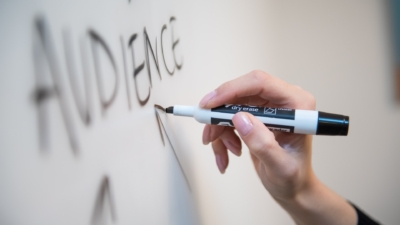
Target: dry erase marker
column 276, row 119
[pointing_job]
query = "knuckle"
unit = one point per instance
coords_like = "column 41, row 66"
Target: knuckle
column 216, row 146
column 259, row 75
column 311, row 100
column 305, row 99
column 224, row 87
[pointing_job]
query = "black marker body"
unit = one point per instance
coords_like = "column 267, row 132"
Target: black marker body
column 276, row 119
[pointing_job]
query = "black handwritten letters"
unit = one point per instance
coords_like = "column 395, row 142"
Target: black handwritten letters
column 51, row 84
column 49, row 78
column 44, row 54
column 104, row 195
column 98, row 42
column 136, row 71
column 174, row 44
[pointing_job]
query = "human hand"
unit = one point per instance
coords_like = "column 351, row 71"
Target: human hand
column 282, row 160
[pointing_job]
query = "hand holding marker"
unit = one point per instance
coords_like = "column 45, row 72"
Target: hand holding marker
column 276, row 119
column 281, row 160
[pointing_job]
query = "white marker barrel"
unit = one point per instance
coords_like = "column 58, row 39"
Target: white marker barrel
column 276, row 119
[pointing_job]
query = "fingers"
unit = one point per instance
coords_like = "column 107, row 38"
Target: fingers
column 221, row 155
column 231, row 141
column 260, row 141
column 211, row 133
column 222, row 138
column 258, row 83
column 227, row 136
column 250, row 100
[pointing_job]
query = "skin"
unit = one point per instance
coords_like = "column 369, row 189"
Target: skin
column 281, row 160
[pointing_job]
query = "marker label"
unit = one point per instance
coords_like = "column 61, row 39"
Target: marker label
column 279, row 113
column 281, row 128
column 272, row 127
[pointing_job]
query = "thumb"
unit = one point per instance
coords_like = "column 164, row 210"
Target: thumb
column 259, row 139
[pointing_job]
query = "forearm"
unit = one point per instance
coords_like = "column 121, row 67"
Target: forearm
column 317, row 204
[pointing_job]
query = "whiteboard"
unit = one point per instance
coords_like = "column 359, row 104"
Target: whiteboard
column 81, row 141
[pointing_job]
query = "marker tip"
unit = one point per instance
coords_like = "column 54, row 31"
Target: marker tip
column 170, row 110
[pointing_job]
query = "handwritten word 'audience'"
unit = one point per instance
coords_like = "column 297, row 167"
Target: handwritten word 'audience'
column 49, row 77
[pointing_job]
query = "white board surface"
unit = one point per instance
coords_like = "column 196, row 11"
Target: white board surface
column 80, row 140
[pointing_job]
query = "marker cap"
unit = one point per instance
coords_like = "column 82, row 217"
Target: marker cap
column 332, row 124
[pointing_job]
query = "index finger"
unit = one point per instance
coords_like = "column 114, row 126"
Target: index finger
column 255, row 83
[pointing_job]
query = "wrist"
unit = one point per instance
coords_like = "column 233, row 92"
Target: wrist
column 314, row 203
column 304, row 194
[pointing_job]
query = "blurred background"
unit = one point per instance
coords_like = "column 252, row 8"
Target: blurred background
column 346, row 53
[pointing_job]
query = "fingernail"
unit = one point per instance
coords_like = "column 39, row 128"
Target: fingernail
column 207, row 98
column 243, row 125
column 220, row 163
column 233, row 148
